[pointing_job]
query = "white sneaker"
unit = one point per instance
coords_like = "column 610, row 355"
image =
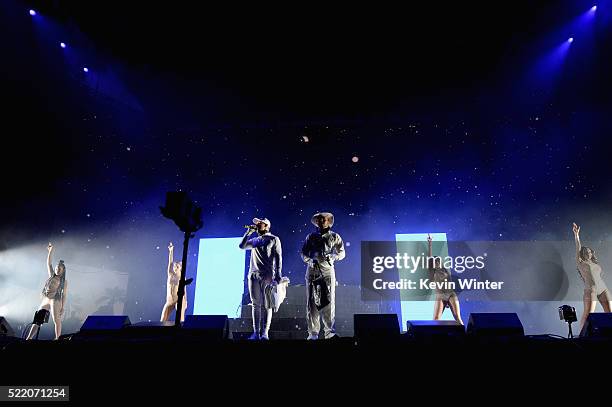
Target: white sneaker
column 264, row 337
column 254, row 337
column 312, row 337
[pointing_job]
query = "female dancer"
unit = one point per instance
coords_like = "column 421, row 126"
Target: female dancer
column 174, row 276
column 445, row 297
column 590, row 271
column 54, row 295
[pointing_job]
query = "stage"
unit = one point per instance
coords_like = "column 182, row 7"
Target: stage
column 143, row 366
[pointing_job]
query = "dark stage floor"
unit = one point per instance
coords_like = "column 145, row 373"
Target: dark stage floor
column 113, row 368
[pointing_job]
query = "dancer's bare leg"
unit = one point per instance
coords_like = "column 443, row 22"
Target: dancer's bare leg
column 33, row 331
column 57, row 318
column 184, row 308
column 455, row 308
column 438, row 309
column 605, row 301
column 589, row 306
column 166, row 311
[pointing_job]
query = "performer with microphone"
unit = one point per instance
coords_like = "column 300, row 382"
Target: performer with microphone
column 320, row 250
column 265, row 267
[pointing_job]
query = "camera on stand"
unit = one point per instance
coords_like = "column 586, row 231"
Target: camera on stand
column 567, row 313
column 181, row 209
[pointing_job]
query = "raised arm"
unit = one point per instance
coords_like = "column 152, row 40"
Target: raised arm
column 246, row 243
column 170, row 257
column 429, row 252
column 49, row 265
column 576, row 230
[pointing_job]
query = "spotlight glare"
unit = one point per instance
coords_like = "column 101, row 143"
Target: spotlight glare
column 63, row 45
column 570, row 39
column 594, row 8
column 32, row 12
column 85, row 69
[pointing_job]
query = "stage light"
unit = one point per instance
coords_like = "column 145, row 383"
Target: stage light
column 62, row 44
column 85, row 69
column 570, row 39
column 594, row 8
column 32, row 12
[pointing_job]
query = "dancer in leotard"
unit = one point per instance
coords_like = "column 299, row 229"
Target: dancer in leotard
column 445, row 297
column 175, row 268
column 53, row 295
column 590, row 271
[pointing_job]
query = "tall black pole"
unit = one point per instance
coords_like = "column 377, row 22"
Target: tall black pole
column 188, row 218
column 181, row 287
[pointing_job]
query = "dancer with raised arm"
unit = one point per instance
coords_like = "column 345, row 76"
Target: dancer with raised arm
column 53, row 295
column 590, row 271
column 445, row 297
column 174, row 277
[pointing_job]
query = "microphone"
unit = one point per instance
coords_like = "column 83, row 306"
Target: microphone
column 250, row 227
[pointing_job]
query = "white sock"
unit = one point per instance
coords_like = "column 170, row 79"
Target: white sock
column 256, row 313
column 268, row 321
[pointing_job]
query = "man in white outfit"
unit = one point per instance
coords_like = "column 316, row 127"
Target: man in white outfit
column 265, row 267
column 320, row 250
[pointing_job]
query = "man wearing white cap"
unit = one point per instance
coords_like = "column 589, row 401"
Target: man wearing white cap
column 320, row 250
column 266, row 266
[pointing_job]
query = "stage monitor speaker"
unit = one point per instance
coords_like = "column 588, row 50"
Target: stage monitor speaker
column 495, row 324
column 425, row 329
column 95, row 323
column 5, row 328
column 598, row 325
column 209, row 326
column 376, row 326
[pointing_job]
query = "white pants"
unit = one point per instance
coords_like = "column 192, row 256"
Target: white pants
column 260, row 291
column 327, row 314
